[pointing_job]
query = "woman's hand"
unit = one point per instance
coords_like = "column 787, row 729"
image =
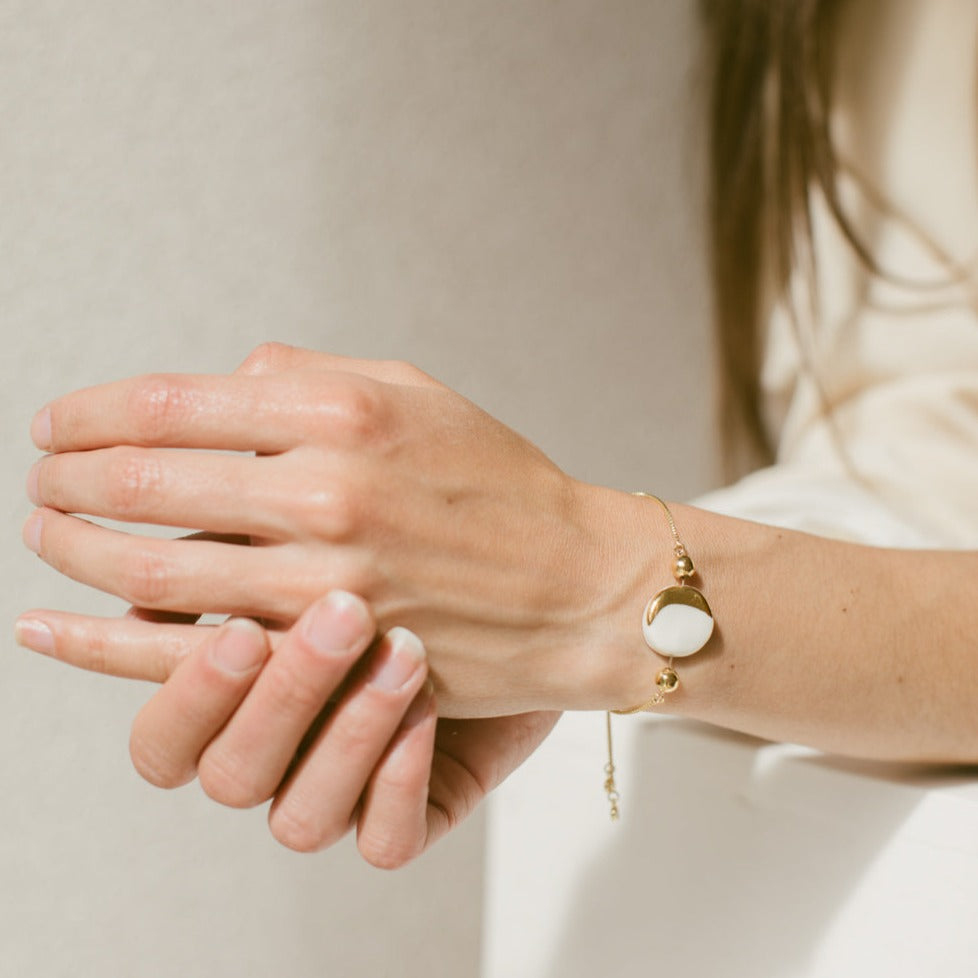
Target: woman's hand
column 370, row 477
column 337, row 728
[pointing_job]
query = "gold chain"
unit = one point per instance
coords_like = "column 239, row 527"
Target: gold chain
column 609, row 770
column 667, row 681
column 668, row 512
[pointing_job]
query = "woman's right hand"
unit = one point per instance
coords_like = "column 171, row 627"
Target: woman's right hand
column 337, row 727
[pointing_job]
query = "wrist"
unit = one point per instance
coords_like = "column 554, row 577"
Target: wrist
column 626, row 558
column 629, row 557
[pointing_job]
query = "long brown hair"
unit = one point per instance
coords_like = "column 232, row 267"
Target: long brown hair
column 770, row 99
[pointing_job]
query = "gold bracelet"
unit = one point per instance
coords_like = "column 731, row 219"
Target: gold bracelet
column 677, row 622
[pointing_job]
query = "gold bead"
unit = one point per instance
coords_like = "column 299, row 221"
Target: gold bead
column 667, row 680
column 683, row 567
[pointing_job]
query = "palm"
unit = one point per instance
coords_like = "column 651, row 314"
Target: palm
column 472, row 757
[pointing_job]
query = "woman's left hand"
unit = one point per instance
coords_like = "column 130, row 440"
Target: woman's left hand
column 336, row 727
column 367, row 476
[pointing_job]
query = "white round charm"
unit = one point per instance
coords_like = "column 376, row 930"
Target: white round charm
column 677, row 621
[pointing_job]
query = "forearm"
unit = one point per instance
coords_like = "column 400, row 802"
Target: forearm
column 526, row 586
column 853, row 649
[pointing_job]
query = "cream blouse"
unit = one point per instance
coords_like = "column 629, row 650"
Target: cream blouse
column 873, row 404
column 737, row 857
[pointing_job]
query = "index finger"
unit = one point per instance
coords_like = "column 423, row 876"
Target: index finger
column 236, row 413
column 130, row 648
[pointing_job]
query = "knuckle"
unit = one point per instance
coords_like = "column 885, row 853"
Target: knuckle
column 156, row 405
column 332, row 511
column 96, row 647
column 145, row 578
column 395, row 781
column 288, row 691
column 153, row 765
column 404, row 371
column 356, row 410
column 49, row 480
column 355, row 738
column 264, row 357
column 135, row 480
column 57, row 483
column 226, row 780
column 301, row 831
column 383, row 852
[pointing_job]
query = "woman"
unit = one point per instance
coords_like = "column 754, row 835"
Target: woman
column 526, row 586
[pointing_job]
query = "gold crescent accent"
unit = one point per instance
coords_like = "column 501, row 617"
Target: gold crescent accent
column 676, row 594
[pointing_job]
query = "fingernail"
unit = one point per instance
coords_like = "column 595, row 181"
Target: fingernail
column 399, row 661
column 34, row 634
column 41, row 429
column 33, row 487
column 32, row 532
column 337, row 624
column 239, row 646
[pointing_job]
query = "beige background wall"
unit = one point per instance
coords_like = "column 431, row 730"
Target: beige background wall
column 498, row 191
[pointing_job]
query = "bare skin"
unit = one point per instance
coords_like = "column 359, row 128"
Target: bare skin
column 525, row 585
